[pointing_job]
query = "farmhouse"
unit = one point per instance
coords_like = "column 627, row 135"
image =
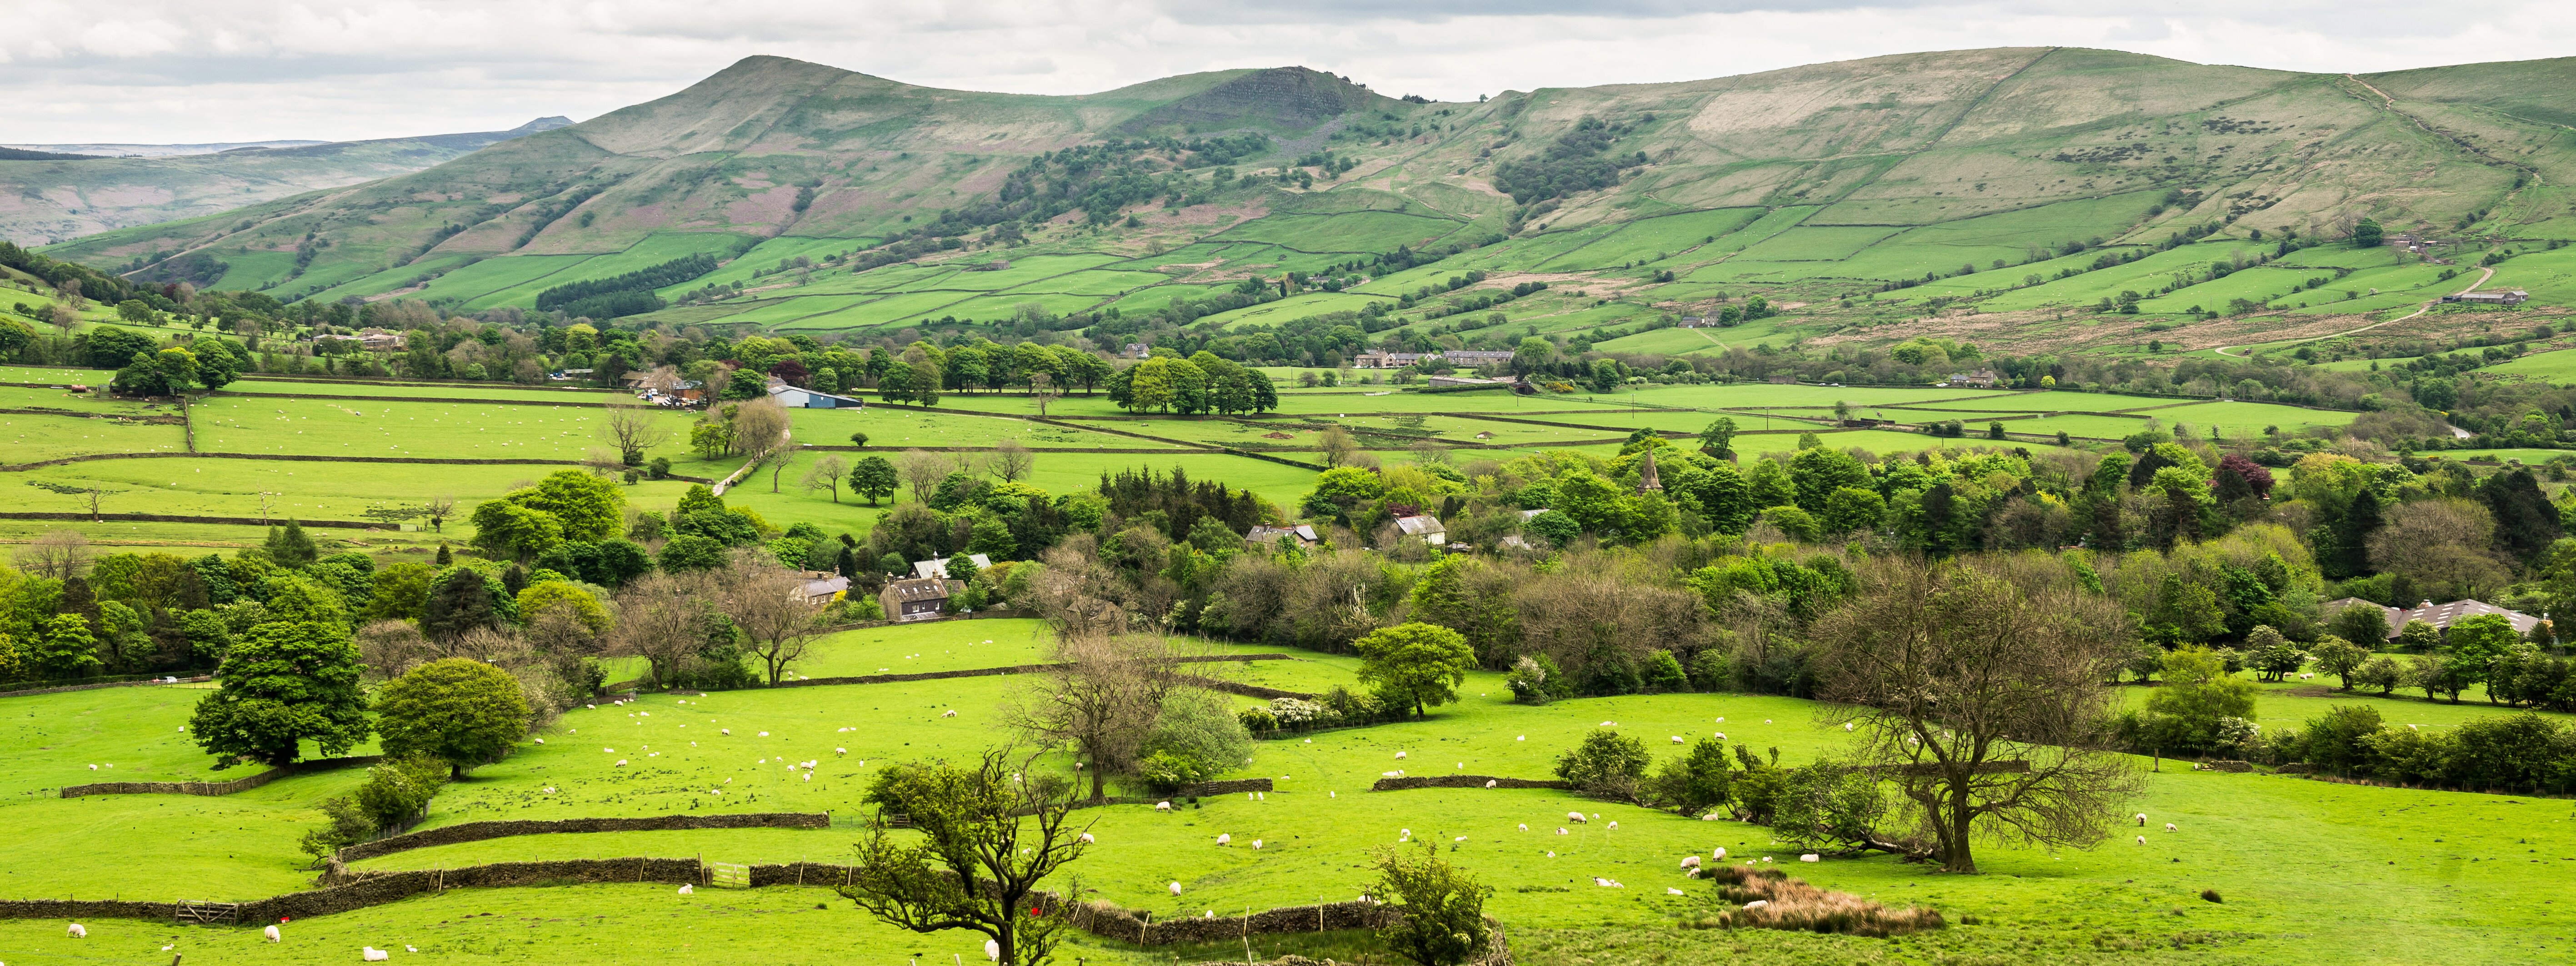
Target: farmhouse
column 1136, row 350
column 1263, row 536
column 2511, row 296
column 917, row 600
column 1980, row 379
column 792, row 397
column 1477, row 358
column 939, row 568
column 1425, row 527
column 1382, row 359
column 2441, row 616
column 822, row 587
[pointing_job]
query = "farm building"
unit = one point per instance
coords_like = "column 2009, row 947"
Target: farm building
column 939, row 568
column 2511, row 296
column 1382, row 359
column 794, row 398
column 2441, row 616
column 917, row 600
column 1425, row 527
column 1477, row 358
column 1135, row 350
column 1465, row 381
column 1980, row 379
column 822, row 587
column 1263, row 536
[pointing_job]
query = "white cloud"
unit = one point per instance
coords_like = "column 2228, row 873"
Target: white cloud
column 188, row 70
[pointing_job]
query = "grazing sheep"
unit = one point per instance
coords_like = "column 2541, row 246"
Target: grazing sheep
column 1256, row 845
column 809, row 776
column 1721, row 736
column 1176, row 888
column 1847, row 726
column 688, row 890
column 539, row 741
column 374, row 955
column 1719, row 854
column 1489, row 783
column 1710, row 817
column 1677, row 739
column 840, row 752
column 764, row 734
column 1609, row 724
column 2169, row 826
column 1521, row 738
column 1399, row 756
column 1614, row 823
column 2142, row 840
column 271, row 933
column 993, row 950
column 1757, row 903
column 79, row 931
column 1086, row 838
column 1607, row 883
column 1551, row 853
column 93, row 767
column 1575, row 817
column 1670, row 891
column 1225, row 839
column 1690, row 861
column 1811, row 857
column 1560, row 830
column 621, row 763
column 1406, row 832
column 1162, row 806
column 1525, row 826
column 724, row 731
column 2142, row 819
column 952, row 712
column 1389, row 774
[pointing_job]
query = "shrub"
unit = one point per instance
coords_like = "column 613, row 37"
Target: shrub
column 1828, row 804
column 1695, row 782
column 1443, row 909
column 1664, row 672
column 1258, row 720
column 1197, row 736
column 1607, row 763
column 1529, row 679
column 1712, row 669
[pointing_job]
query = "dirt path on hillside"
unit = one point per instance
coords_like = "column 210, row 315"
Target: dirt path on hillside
column 2488, row 273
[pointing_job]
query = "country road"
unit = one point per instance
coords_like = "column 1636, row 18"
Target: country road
column 2487, row 273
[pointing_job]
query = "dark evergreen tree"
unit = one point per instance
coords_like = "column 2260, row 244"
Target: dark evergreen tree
column 459, row 603
column 2526, row 522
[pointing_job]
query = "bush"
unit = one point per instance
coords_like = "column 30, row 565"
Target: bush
column 1664, row 672
column 1607, row 763
column 1258, row 720
column 1443, row 909
column 1694, row 783
column 1712, row 669
column 1828, row 805
column 1166, row 772
column 1197, row 736
column 1530, row 679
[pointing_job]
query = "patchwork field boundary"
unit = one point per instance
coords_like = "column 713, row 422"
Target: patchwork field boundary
column 417, row 399
column 485, row 831
column 218, row 788
column 61, row 689
column 347, row 891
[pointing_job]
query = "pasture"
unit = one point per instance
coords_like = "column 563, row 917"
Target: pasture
column 2465, row 873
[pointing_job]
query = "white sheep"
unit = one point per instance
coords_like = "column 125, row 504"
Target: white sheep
column 374, row 955
column 1162, row 806
column 1721, row 736
column 541, row 741
column 1690, row 861
column 1614, row 823
column 1847, row 726
column 1399, row 756
column 2169, row 826
column 688, row 890
column 1087, row 839
column 1551, row 853
column 2142, row 819
column 1719, row 854
column 1756, row 904
column 1256, row 845
column 764, row 734
column 1670, row 891
column 1176, row 888
column 952, row 712
column 840, row 752
column 621, row 763
column 809, row 776
column 1560, row 830
column 2142, row 840
column 1575, row 817
column 271, row 933
column 1677, row 739
column 993, row 950
column 1710, row 817
column 1521, row 738
column 1811, row 857
column 1225, row 839
column 1606, row 883
column 79, row 931
column 1525, row 826
column 1609, row 724
column 1406, row 832
column 724, row 731
column 1489, row 783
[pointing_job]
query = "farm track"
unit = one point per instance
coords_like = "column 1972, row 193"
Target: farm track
column 2419, row 310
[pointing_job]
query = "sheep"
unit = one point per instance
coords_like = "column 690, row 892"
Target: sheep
column 1811, row 857
column 1710, row 817
column 952, row 712
column 1847, row 726
column 1575, row 817
column 1162, row 806
column 610, row 751
column 1489, row 783
column 2169, row 826
column 724, row 731
column 840, row 752
column 809, row 776
column 539, row 741
column 1399, row 756
column 1225, row 839
column 1721, row 736
column 93, row 767
column 688, row 890
column 1176, row 888
column 2142, row 819
column 1256, row 845
column 2142, row 840
column 1551, row 853
column 1461, row 838
column 1670, row 891
column 374, row 955
column 1525, row 826
column 1719, row 854
column 1521, row 738
column 1406, row 832
column 993, row 950
column 79, row 931
column 271, row 933
column 1606, row 883
column 1609, row 724
column 1677, row 739
column 1756, row 904
column 621, row 763
column 1614, row 823
column 1560, row 830
column 1690, row 861
column 1087, row 839
column 764, row 734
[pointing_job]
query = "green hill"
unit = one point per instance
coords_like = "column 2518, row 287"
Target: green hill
column 49, row 197
column 1823, row 181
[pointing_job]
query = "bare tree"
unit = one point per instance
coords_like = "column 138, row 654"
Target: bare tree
column 922, row 471
column 391, row 648
column 768, row 605
column 59, row 554
column 763, row 431
column 1043, row 390
column 1337, row 446
column 826, row 474
column 1011, row 460
column 1100, row 701
column 635, row 429
column 439, row 507
column 94, row 495
column 662, row 618
column 601, row 461
column 1976, row 689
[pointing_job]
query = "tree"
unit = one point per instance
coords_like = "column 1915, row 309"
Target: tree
column 56, row 555
column 768, row 605
column 506, row 529
column 459, row 710
column 1441, row 909
column 1337, row 446
column 1100, row 700
column 2366, row 233
column 634, row 429
column 2340, row 658
column 690, row 551
column 290, row 548
column 826, row 474
column 1696, row 782
column 1011, row 460
column 67, row 648
column 2364, row 624
column 285, row 683
column 873, row 477
column 1979, row 693
column 1606, row 763
column 1460, row 593
column 461, row 601
column 922, row 472
column 1042, row 390
column 987, row 836
column 2474, row 643
column 2272, row 654
column 2198, row 692
column 589, row 508
column 1415, row 664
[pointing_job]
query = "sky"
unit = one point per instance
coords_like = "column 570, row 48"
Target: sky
column 173, row 71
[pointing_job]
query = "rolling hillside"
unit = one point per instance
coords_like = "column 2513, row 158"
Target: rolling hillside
column 44, row 201
column 2070, row 175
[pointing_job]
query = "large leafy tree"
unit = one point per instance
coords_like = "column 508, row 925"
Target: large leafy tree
column 284, row 683
column 873, row 477
column 459, row 710
column 1415, row 663
column 988, row 834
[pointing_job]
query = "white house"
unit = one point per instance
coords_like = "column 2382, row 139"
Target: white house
column 926, row 569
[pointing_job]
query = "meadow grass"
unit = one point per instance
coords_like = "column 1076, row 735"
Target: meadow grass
column 333, row 427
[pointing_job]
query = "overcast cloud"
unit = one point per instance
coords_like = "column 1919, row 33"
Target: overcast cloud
column 152, row 71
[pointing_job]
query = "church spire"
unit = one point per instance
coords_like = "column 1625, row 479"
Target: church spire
column 1647, row 482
